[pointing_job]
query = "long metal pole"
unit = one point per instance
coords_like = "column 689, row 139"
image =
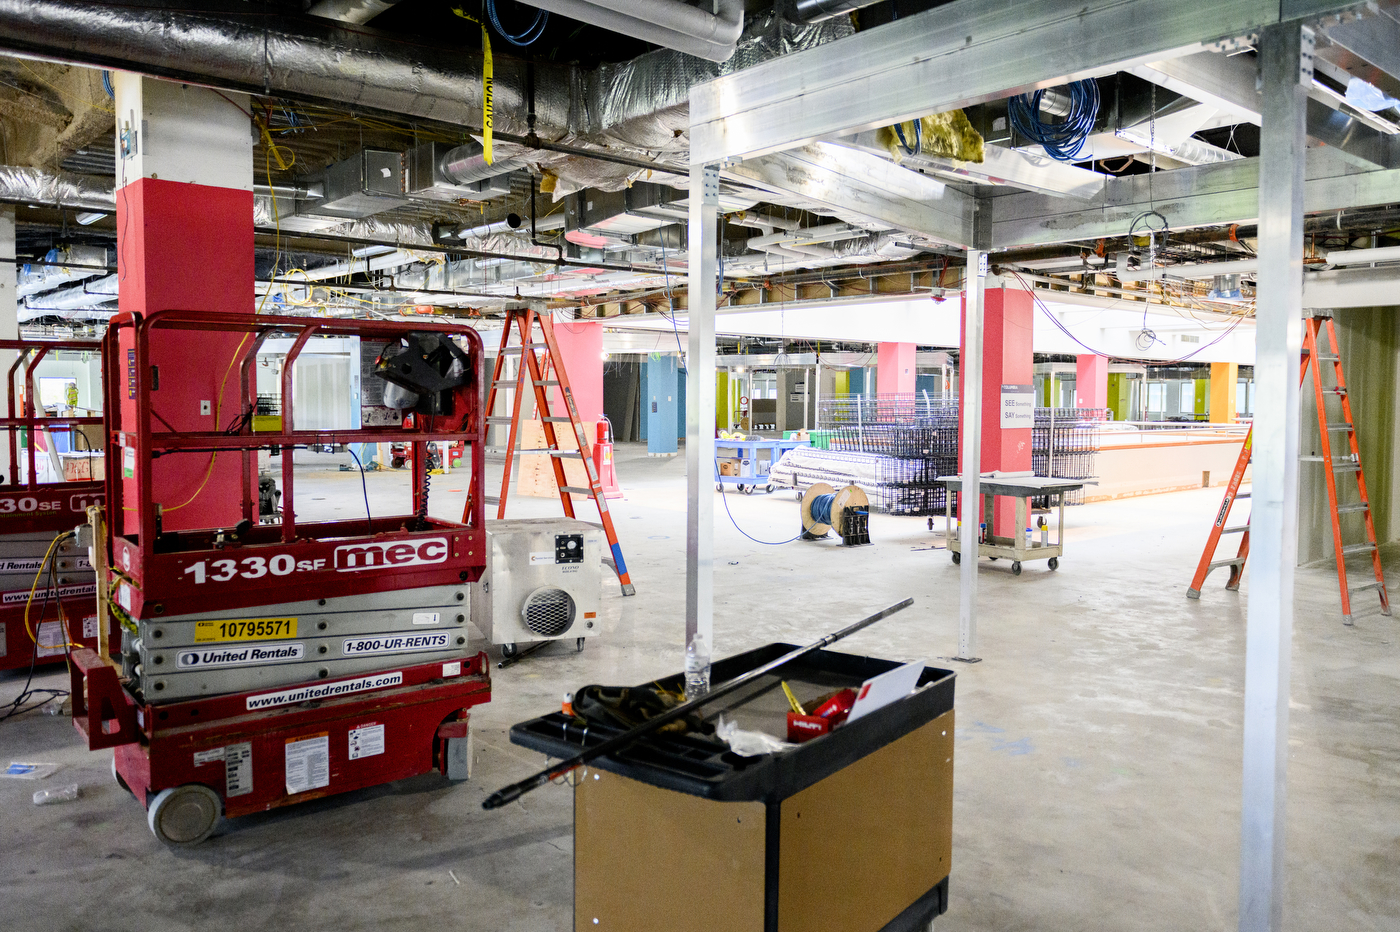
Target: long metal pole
column 1286, row 74
column 516, row 790
column 700, row 405
column 971, row 446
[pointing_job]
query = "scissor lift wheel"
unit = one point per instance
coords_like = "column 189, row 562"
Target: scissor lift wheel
column 184, row 815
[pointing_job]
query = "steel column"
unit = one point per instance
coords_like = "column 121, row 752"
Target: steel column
column 700, row 403
column 1286, row 71
column 971, row 446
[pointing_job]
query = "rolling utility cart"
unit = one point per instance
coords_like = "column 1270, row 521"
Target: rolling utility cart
column 752, row 460
column 39, row 504
column 847, row 832
column 1017, row 549
column 266, row 664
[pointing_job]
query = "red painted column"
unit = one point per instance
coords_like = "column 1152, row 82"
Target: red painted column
column 895, row 369
column 1007, row 369
column 184, row 203
column 1091, row 381
column 581, row 345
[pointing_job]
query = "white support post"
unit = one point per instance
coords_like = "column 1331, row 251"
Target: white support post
column 1286, row 74
column 9, row 311
column 971, row 446
column 700, row 404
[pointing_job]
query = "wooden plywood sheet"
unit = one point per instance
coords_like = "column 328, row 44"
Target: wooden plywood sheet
column 883, row 826
column 648, row 859
column 536, row 475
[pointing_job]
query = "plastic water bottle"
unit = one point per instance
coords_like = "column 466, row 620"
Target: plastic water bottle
column 697, row 667
column 1030, row 540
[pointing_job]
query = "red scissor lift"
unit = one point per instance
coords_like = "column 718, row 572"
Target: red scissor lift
column 322, row 725
column 33, row 514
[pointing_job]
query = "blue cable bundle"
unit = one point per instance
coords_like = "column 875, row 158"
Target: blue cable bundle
column 531, row 33
column 1063, row 140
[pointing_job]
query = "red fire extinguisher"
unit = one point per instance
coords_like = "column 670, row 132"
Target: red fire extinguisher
column 603, row 458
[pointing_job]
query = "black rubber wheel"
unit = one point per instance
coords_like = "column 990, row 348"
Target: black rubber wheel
column 957, row 558
column 769, row 488
column 719, row 486
column 578, row 644
column 397, row 462
column 747, row 489
column 509, row 650
column 994, row 559
column 1016, row 567
column 1054, row 563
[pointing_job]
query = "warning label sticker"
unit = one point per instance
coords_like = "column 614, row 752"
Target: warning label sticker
column 51, row 639
column 90, row 627
column 308, row 763
column 395, row 643
column 240, row 656
column 366, row 740
column 238, row 769
column 208, row 757
column 426, row 618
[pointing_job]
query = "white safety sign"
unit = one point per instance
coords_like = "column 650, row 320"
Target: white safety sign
column 308, row 763
column 366, row 740
column 1017, row 406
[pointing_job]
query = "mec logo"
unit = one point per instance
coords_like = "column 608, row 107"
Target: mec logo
column 353, row 557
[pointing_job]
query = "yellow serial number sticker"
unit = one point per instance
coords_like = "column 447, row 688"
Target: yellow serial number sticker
column 238, row 629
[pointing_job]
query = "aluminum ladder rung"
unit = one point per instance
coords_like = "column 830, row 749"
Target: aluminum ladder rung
column 499, row 419
column 1240, row 495
column 575, row 490
column 557, row 419
column 1327, row 357
column 1358, row 548
column 542, row 451
column 1343, row 425
column 1346, row 467
column 545, row 383
column 1234, row 561
column 1334, row 391
column 491, row 499
column 1234, row 530
column 1354, row 507
column 1364, row 586
column 515, row 350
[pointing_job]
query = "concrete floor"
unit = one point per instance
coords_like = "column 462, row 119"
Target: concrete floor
column 1098, row 752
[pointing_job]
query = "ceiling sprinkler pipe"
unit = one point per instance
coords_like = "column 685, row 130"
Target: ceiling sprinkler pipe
column 1364, row 256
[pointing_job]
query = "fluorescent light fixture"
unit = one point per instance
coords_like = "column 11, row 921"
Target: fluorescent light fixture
column 90, row 216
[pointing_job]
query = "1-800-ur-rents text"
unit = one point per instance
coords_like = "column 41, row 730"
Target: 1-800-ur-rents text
column 347, row 558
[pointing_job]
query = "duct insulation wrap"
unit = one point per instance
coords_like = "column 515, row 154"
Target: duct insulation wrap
column 36, row 186
column 645, row 103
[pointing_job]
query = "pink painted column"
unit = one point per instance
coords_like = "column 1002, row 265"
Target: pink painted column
column 895, row 370
column 1007, row 370
column 1091, row 381
column 581, row 346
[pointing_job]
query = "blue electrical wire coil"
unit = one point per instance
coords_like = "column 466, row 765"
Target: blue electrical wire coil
column 1063, row 140
column 821, row 508
column 522, row 39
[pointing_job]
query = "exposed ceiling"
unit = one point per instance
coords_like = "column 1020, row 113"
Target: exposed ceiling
column 592, row 143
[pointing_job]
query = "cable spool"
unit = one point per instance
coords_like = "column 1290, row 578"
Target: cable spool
column 824, row 508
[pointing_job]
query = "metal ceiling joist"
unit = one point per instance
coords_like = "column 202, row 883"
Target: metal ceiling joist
column 1375, row 38
column 999, row 166
column 955, row 55
column 866, row 185
column 1206, row 195
column 1231, row 84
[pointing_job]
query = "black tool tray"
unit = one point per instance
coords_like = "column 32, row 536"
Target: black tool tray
column 700, row 768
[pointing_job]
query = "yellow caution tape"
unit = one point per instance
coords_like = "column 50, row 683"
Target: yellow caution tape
column 488, row 84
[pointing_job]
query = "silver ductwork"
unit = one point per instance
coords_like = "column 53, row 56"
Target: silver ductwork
column 87, row 262
column 467, row 164
column 640, row 104
column 668, row 23
column 36, row 186
column 357, row 12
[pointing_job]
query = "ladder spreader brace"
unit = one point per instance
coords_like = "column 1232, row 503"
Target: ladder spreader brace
column 536, row 361
column 1349, row 464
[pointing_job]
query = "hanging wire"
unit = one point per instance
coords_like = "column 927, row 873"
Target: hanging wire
column 1062, row 140
column 521, row 39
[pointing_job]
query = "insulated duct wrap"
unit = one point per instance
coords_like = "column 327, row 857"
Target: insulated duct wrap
column 36, row 186
column 645, row 102
column 303, row 57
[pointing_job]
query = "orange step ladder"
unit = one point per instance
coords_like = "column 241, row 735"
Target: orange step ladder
column 537, row 361
column 1314, row 356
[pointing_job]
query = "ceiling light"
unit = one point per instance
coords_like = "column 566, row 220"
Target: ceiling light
column 90, row 216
